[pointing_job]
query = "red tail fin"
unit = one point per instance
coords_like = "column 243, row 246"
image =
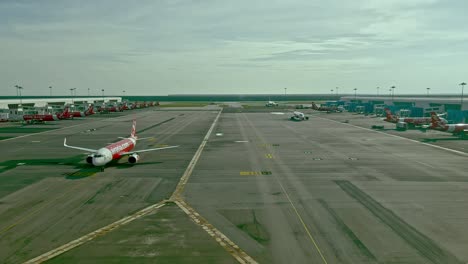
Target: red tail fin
column 389, row 114
column 436, row 122
column 89, row 111
column 133, row 133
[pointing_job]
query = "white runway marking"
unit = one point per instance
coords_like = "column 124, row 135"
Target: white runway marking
column 412, row 140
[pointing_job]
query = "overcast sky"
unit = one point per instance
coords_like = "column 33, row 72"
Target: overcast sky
column 213, row 46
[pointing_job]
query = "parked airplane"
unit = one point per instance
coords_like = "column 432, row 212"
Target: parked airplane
column 49, row 117
column 89, row 111
column 123, row 106
column 271, row 103
column 328, row 109
column 299, row 116
column 409, row 121
column 456, row 129
column 100, row 157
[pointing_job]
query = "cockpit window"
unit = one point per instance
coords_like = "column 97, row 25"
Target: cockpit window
column 98, row 156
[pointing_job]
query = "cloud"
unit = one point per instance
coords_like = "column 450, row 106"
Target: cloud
column 187, row 45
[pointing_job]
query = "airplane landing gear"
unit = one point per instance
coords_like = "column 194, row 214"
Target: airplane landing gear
column 102, row 169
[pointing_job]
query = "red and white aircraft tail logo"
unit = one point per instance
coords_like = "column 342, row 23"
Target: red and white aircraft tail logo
column 436, row 121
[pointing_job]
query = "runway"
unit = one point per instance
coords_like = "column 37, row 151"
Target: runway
column 50, row 196
column 317, row 191
column 320, row 191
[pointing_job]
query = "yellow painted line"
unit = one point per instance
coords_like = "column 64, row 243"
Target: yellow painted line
column 249, row 173
column 102, row 231
column 309, row 234
column 222, row 239
column 269, row 156
column 303, row 224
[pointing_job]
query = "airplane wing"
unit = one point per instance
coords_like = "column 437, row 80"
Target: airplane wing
column 146, row 150
column 80, row 148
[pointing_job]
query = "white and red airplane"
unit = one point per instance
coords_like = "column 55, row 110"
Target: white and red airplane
column 411, row 121
column 49, row 117
column 89, row 111
column 456, row 129
column 100, row 157
column 328, row 109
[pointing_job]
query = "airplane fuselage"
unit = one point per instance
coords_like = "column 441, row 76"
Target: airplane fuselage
column 113, row 151
column 41, row 117
column 455, row 128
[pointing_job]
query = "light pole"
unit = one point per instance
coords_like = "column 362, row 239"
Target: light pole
column 123, row 93
column 88, row 92
column 428, row 90
column 71, row 94
column 50, row 89
column 355, row 91
column 393, row 91
column 102, row 95
column 285, row 93
column 461, row 100
column 331, row 92
column 18, row 92
column 378, row 90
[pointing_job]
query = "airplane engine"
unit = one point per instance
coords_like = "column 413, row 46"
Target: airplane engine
column 89, row 159
column 133, row 158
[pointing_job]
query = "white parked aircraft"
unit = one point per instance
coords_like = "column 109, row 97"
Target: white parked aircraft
column 271, row 103
column 299, row 116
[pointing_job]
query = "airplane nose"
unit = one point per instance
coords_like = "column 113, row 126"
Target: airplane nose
column 97, row 162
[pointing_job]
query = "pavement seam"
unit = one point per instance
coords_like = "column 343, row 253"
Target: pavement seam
column 177, row 198
column 183, row 180
column 301, row 220
column 97, row 233
column 222, row 239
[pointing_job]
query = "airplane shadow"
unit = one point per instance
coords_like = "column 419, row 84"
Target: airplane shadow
column 442, row 139
column 86, row 170
column 82, row 169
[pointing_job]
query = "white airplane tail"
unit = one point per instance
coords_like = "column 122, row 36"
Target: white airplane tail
column 133, row 133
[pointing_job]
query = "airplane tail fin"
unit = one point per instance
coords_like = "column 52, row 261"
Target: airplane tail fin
column 90, row 109
column 389, row 114
column 436, row 122
column 314, row 106
column 133, row 133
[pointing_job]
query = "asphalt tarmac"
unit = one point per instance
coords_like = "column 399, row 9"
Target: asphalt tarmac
column 323, row 191
column 316, row 191
column 50, row 196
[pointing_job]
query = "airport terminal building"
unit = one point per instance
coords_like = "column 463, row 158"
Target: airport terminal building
column 455, row 107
